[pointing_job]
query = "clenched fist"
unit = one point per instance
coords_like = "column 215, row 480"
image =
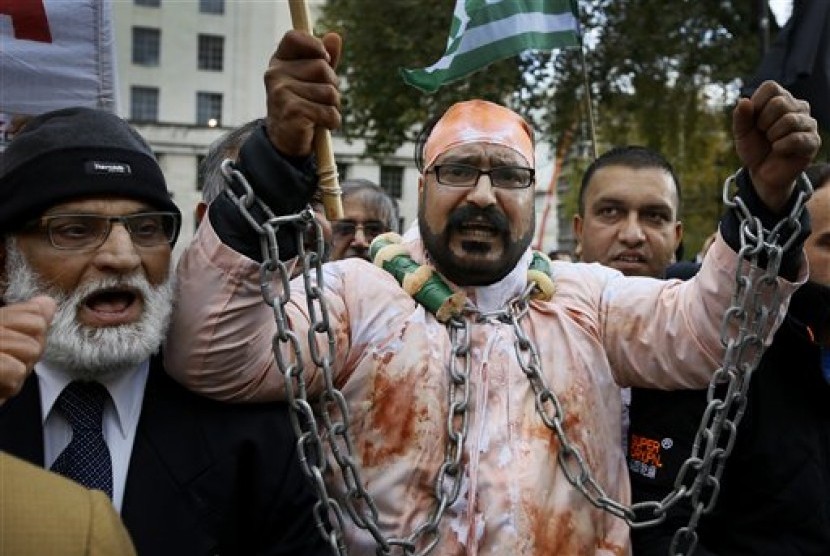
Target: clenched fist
column 776, row 139
column 23, row 329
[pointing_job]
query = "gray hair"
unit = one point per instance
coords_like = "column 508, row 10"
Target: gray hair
column 373, row 196
column 226, row 146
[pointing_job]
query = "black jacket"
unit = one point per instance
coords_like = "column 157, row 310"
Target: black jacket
column 205, row 477
column 775, row 490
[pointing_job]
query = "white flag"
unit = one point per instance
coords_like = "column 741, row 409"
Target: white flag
column 484, row 31
column 55, row 54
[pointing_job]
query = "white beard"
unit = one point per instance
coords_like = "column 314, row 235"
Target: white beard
column 89, row 352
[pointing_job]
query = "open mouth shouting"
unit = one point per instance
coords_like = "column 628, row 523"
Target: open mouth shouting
column 477, row 235
column 111, row 306
column 478, row 230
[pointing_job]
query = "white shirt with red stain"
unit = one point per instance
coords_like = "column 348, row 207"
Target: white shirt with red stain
column 600, row 331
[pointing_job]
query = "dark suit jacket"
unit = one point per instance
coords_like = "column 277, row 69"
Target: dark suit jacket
column 205, row 477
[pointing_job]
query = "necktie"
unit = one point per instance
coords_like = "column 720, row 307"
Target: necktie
column 86, row 460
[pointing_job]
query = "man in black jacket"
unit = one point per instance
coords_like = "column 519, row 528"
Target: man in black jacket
column 86, row 219
column 774, row 494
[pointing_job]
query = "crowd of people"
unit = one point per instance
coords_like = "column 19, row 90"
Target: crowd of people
column 465, row 393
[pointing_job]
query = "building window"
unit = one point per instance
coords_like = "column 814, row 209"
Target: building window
column 211, row 49
column 146, row 46
column 391, row 180
column 144, row 104
column 342, row 170
column 209, row 109
column 148, row 3
column 212, row 6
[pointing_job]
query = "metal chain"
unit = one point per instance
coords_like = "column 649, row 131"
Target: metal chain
column 331, row 406
column 750, row 314
column 450, row 475
column 550, row 410
column 328, row 515
column 753, row 310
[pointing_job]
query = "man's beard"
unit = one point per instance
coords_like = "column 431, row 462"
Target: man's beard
column 476, row 273
column 89, row 352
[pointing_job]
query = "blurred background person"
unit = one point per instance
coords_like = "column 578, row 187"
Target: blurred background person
column 628, row 206
column 368, row 211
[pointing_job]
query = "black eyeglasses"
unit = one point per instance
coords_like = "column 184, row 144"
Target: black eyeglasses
column 90, row 231
column 348, row 228
column 464, row 175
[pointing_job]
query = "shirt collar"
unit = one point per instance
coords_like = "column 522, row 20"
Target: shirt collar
column 125, row 389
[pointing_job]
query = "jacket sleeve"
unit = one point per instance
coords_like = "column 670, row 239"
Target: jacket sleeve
column 667, row 334
column 730, row 226
column 284, row 184
column 220, row 341
column 280, row 499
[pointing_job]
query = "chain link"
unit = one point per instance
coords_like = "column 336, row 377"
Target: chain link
column 550, row 410
column 752, row 311
column 331, row 407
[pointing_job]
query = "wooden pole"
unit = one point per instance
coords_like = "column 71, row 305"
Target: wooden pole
column 586, row 84
column 326, row 167
column 588, row 103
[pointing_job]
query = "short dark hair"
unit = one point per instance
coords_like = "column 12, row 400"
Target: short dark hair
column 818, row 174
column 629, row 156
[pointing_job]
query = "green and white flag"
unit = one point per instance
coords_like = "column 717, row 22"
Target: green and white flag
column 484, row 31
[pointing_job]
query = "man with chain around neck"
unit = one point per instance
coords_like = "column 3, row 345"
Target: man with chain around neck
column 462, row 366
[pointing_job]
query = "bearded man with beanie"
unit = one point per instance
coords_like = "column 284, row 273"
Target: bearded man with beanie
column 87, row 220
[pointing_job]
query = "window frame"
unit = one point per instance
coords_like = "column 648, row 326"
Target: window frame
column 206, row 104
column 150, row 92
column 206, row 52
column 391, row 180
column 146, row 46
column 212, row 7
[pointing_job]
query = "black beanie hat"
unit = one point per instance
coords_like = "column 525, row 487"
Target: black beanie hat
column 73, row 153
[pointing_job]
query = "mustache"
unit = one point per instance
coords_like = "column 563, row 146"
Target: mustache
column 493, row 216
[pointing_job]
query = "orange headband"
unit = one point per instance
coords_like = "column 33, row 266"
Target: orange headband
column 479, row 121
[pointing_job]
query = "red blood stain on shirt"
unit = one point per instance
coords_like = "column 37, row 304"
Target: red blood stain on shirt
column 393, row 415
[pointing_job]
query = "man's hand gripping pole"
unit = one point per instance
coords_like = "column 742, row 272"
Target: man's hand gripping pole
column 326, row 167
